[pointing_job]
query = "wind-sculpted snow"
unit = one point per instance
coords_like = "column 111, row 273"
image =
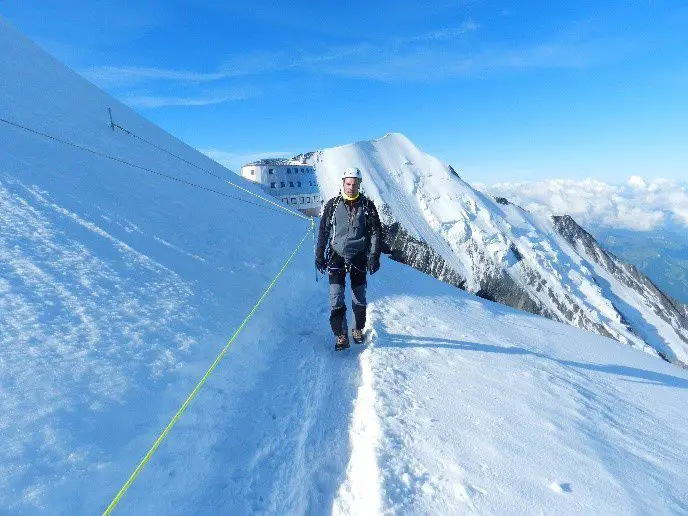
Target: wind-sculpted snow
column 482, row 410
column 81, row 328
column 439, row 224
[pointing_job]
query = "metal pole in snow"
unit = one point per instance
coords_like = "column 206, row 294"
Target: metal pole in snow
column 112, row 124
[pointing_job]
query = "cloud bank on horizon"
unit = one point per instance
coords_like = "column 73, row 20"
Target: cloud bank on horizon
column 639, row 205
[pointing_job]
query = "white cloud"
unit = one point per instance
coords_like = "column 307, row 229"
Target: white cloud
column 155, row 101
column 412, row 56
column 639, row 205
column 430, row 55
column 116, row 76
column 446, row 34
column 637, row 181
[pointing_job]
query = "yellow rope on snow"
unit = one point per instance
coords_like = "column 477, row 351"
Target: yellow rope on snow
column 191, row 396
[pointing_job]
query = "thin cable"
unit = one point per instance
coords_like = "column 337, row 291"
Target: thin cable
column 207, row 171
column 125, row 162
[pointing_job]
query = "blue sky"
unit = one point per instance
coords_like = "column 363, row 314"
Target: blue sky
column 503, row 91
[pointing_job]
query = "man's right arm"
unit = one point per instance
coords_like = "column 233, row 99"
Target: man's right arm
column 324, row 231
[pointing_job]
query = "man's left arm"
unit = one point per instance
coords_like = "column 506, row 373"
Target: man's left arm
column 323, row 237
column 375, row 239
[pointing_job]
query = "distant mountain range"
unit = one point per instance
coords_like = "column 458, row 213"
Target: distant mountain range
column 546, row 265
column 643, row 221
column 660, row 254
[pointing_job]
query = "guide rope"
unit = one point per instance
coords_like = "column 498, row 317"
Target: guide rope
column 218, row 176
column 200, row 384
column 146, row 169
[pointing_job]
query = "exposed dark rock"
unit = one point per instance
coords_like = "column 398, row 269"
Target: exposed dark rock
column 403, row 248
column 501, row 288
column 514, row 250
column 662, row 305
column 303, row 158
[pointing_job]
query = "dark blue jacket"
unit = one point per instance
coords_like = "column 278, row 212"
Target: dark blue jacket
column 350, row 228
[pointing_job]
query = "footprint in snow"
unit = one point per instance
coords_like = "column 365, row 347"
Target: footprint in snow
column 564, row 487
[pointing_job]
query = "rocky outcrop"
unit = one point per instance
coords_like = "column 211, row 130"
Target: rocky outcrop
column 663, row 306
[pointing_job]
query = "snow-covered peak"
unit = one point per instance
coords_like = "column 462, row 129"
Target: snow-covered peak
column 505, row 253
column 421, row 189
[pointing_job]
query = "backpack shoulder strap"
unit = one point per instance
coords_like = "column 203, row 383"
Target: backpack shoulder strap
column 366, row 210
column 335, row 204
column 333, row 219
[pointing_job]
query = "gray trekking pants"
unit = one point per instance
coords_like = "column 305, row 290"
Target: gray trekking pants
column 337, row 274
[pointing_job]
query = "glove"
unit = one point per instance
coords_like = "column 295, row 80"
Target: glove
column 373, row 264
column 320, row 264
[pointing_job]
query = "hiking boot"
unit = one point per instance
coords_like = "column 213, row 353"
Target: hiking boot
column 357, row 335
column 342, row 342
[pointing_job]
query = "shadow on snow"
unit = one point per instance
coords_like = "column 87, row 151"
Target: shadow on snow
column 644, row 376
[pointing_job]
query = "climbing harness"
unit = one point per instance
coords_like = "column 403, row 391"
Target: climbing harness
column 347, row 267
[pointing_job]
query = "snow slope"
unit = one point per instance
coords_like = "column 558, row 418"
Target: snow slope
column 118, row 288
column 502, row 252
column 483, row 408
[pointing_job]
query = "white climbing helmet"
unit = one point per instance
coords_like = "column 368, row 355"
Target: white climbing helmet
column 352, row 172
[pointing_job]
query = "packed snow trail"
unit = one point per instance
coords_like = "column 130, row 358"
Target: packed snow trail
column 484, row 408
column 277, row 444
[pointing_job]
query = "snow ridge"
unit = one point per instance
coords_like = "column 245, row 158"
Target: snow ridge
column 549, row 266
